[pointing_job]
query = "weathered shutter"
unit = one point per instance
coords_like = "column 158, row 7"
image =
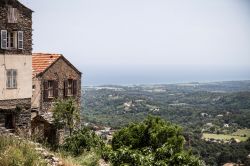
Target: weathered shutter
column 4, row 39
column 51, row 88
column 12, row 15
column 8, row 81
column 65, row 88
column 74, row 87
column 9, row 15
column 55, row 89
column 14, row 78
column 15, row 15
column 45, row 91
column 20, row 39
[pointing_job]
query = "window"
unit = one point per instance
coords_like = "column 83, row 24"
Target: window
column 50, row 90
column 12, row 15
column 70, row 88
column 11, row 79
column 11, row 39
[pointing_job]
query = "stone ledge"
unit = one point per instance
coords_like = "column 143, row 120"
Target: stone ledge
column 14, row 103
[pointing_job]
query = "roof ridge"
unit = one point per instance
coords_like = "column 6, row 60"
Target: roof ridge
column 40, row 53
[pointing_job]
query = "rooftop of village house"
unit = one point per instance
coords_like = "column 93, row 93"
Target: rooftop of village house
column 41, row 61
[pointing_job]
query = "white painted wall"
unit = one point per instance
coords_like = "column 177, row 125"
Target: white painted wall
column 23, row 65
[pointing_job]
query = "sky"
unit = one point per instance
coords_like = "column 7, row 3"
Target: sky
column 146, row 41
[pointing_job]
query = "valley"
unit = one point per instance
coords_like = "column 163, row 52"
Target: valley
column 213, row 114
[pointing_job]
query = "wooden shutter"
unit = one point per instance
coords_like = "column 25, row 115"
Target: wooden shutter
column 74, row 87
column 9, row 77
column 20, row 39
column 4, row 39
column 55, row 89
column 45, row 91
column 65, row 88
column 15, row 15
column 12, row 15
column 14, row 78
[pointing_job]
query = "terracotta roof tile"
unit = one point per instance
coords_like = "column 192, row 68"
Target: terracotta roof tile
column 41, row 61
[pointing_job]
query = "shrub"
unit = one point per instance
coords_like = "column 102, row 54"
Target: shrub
column 80, row 141
column 153, row 142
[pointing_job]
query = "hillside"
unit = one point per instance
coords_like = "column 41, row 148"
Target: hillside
column 212, row 114
column 185, row 104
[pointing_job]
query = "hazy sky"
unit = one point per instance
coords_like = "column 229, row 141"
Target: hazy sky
column 147, row 41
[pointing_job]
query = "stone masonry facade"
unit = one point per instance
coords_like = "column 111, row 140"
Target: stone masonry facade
column 20, row 109
column 59, row 71
column 59, row 80
column 24, row 24
column 28, row 95
column 16, row 113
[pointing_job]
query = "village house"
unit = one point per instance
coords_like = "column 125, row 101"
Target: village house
column 30, row 83
column 54, row 77
column 15, row 66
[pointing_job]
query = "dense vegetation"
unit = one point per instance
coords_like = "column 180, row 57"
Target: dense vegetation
column 118, row 107
column 80, row 141
column 152, row 142
column 217, row 153
column 218, row 108
column 83, row 147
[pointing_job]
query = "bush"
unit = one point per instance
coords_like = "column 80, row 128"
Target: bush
column 80, row 141
column 152, row 142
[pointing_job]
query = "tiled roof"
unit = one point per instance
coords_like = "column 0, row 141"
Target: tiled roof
column 41, row 61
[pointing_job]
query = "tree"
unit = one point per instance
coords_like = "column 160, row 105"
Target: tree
column 66, row 114
column 151, row 142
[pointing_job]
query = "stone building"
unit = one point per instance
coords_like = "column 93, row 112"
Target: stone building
column 15, row 65
column 54, row 77
column 30, row 84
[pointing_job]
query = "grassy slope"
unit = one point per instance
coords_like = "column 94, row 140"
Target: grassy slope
column 88, row 158
column 17, row 152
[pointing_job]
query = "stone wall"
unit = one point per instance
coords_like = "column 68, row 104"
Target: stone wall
column 23, row 122
column 21, row 111
column 59, row 71
column 24, row 24
column 9, row 104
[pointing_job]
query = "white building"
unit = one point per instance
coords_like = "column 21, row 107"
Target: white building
column 15, row 65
